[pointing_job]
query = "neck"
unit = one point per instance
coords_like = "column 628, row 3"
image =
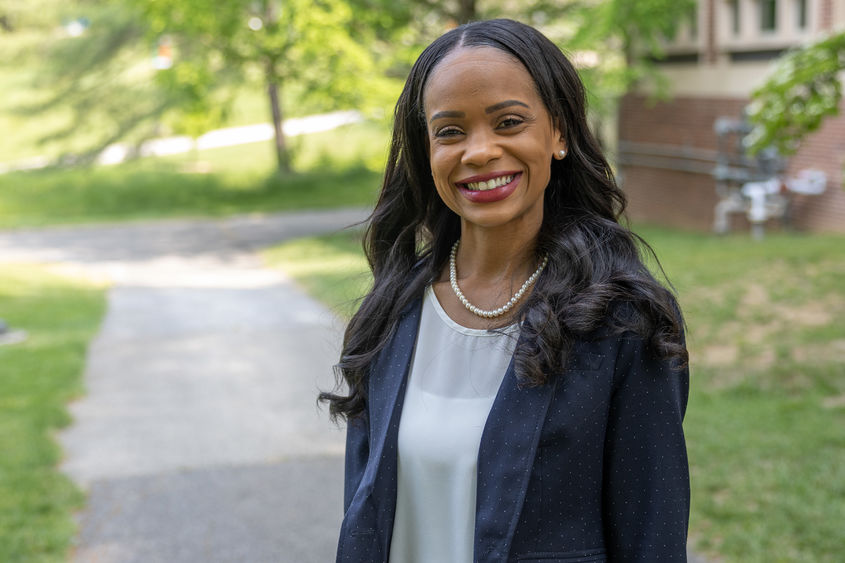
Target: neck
column 494, row 257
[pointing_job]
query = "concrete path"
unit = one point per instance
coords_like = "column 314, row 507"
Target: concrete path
column 198, row 439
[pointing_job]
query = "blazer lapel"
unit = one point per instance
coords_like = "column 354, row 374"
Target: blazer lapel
column 505, row 458
column 388, row 380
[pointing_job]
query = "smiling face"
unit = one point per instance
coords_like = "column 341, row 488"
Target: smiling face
column 491, row 140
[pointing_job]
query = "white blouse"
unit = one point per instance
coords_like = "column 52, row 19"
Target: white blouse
column 455, row 375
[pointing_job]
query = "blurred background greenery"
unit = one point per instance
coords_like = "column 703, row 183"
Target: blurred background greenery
column 766, row 330
column 80, row 75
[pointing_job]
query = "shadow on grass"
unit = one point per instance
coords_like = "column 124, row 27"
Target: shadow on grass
column 160, row 188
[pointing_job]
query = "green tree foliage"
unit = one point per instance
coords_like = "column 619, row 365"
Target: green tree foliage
column 372, row 41
column 628, row 38
column 637, row 28
column 102, row 79
column 98, row 87
column 332, row 53
column 456, row 11
column 17, row 15
column 803, row 89
column 318, row 45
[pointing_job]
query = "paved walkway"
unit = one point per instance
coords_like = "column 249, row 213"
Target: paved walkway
column 198, row 439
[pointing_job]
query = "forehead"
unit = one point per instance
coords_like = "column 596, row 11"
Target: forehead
column 478, row 74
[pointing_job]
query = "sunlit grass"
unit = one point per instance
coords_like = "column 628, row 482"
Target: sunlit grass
column 221, row 181
column 764, row 427
column 332, row 268
column 37, row 378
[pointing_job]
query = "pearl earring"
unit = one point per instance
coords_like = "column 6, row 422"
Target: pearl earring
column 561, row 154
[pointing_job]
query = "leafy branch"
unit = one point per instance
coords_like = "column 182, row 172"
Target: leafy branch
column 802, row 90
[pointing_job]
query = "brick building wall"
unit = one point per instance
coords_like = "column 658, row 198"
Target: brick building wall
column 667, row 151
column 824, row 150
column 826, row 14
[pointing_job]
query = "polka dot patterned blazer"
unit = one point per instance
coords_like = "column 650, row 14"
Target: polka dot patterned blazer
column 590, row 467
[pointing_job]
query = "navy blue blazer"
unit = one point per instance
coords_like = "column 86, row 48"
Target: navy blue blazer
column 589, row 467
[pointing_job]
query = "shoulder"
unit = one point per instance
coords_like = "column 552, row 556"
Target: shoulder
column 628, row 341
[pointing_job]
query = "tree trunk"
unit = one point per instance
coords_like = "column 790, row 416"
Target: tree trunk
column 6, row 23
column 466, row 11
column 282, row 155
column 271, row 14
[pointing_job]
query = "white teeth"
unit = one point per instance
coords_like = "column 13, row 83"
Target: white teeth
column 490, row 184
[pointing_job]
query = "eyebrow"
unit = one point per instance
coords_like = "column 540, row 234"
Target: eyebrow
column 490, row 109
column 502, row 105
column 443, row 114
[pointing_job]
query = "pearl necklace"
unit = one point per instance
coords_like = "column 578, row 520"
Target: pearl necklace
column 453, row 280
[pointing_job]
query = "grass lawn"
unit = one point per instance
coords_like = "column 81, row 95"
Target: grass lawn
column 214, row 182
column 766, row 330
column 37, row 378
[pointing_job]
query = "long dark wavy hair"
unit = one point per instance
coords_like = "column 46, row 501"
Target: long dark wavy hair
column 595, row 276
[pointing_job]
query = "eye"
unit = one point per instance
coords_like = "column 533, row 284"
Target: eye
column 449, row 131
column 510, row 121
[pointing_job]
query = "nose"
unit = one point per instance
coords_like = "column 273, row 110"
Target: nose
column 481, row 147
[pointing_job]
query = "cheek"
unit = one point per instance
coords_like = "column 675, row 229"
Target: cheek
column 546, row 177
column 446, row 195
column 439, row 172
column 540, row 177
column 543, row 164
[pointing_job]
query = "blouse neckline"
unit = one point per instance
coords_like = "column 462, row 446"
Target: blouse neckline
column 447, row 320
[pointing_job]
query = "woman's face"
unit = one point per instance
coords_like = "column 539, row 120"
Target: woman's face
column 491, row 140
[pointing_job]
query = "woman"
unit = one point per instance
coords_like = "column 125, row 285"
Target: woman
column 516, row 378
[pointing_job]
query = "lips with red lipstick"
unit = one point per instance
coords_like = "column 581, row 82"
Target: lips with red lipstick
column 486, row 188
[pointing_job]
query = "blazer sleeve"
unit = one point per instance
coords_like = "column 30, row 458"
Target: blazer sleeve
column 357, row 452
column 646, row 473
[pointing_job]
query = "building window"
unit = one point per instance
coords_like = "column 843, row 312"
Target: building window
column 735, row 21
column 801, row 15
column 768, row 15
